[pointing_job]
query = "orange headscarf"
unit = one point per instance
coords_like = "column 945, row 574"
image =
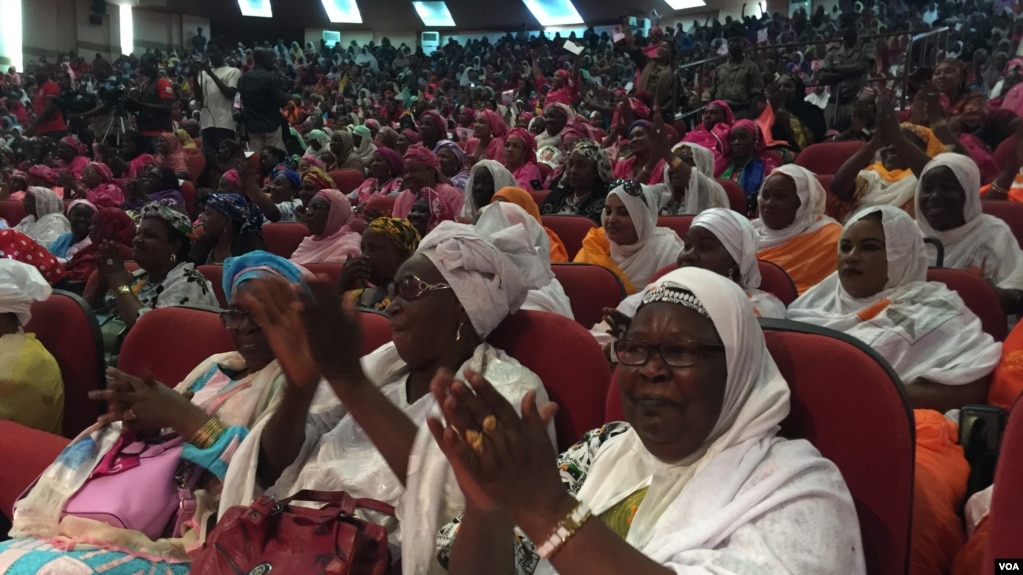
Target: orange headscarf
column 524, row 200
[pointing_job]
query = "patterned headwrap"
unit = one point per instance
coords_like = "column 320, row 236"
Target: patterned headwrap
column 314, row 161
column 46, row 173
column 401, row 233
column 454, row 149
column 286, row 170
column 231, row 205
column 596, row 154
column 103, row 170
column 319, row 177
column 174, row 218
column 75, row 144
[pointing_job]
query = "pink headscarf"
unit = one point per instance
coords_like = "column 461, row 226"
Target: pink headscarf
column 527, row 139
column 175, row 158
column 339, row 241
column 48, row 174
column 106, row 195
column 442, row 124
column 422, row 156
column 75, row 144
column 498, row 128
column 103, row 169
column 314, row 161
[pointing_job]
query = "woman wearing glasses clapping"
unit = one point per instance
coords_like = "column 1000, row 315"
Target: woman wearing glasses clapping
column 363, row 431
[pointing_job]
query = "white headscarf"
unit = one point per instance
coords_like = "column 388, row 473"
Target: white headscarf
column 49, row 222
column 506, row 225
column 20, row 285
column 502, row 179
column 736, row 234
column 810, row 215
column 487, row 283
column 984, row 242
column 702, row 191
column 924, row 331
column 755, row 402
column 655, row 247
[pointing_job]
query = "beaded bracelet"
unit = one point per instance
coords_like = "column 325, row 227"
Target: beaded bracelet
column 565, row 530
column 208, row 434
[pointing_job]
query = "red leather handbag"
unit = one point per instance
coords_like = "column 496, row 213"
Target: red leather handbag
column 275, row 537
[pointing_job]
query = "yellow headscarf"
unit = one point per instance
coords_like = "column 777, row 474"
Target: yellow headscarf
column 932, row 146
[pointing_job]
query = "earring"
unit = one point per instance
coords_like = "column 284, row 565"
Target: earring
column 731, row 274
column 174, row 258
column 458, row 334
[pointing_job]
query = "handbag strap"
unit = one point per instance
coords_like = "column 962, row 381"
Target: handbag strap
column 346, row 502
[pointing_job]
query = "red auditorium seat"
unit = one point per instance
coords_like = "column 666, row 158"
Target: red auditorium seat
column 188, row 193
column 860, row 420
column 282, row 239
column 545, row 171
column 1007, row 498
column 825, row 180
column 1005, row 152
column 375, row 329
column 215, row 274
column 66, row 326
column 541, row 341
column 736, row 197
column 12, row 211
column 678, row 223
column 24, row 454
column 539, row 196
column 1009, row 212
column 978, row 296
column 347, row 180
column 332, row 271
column 827, row 157
column 169, row 342
column 589, row 289
column 775, row 280
column 571, row 230
column 196, row 162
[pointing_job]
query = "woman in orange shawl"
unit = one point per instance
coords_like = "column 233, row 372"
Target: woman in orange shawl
column 793, row 230
column 522, row 199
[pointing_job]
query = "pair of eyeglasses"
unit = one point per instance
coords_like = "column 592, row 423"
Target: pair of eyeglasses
column 317, row 207
column 631, row 187
column 635, row 353
column 233, row 319
column 412, row 288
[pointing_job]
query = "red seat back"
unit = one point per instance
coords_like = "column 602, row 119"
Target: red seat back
column 347, row 180
column 539, row 196
column 375, row 329
column 24, row 454
column 680, row 224
column 282, row 239
column 541, row 341
column 825, row 180
column 860, row 420
column 66, row 326
column 736, row 197
column 571, row 230
column 827, row 157
column 196, row 163
column 589, row 289
column 188, row 193
column 1007, row 498
column 169, row 342
column 215, row 274
column 12, row 211
column 332, row 271
column 775, row 280
column 1005, row 152
column 545, row 171
column 1009, row 212
column 978, row 296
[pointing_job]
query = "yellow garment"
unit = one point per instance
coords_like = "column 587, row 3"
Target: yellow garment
column 808, row 258
column 619, row 516
column 933, row 147
column 186, row 140
column 596, row 250
column 31, row 388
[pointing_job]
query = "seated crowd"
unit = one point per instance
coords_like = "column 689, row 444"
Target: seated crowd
column 449, row 212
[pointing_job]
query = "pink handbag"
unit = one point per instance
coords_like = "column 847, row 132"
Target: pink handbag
column 140, row 485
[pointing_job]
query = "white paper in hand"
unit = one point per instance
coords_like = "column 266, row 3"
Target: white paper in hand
column 573, row 47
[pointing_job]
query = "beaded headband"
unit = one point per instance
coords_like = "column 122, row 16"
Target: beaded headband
column 675, row 294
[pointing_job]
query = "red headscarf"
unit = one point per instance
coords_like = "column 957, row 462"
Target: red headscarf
column 527, row 139
column 498, row 128
column 18, row 246
column 108, row 224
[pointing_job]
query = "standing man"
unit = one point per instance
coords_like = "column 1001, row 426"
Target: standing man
column 49, row 121
column 152, row 106
column 199, row 41
column 263, row 96
column 846, row 70
column 217, row 85
column 738, row 80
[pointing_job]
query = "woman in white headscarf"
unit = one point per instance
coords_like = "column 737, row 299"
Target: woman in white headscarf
column 629, row 243
column 30, row 379
column 362, row 429
column 948, row 208
column 881, row 296
column 501, row 224
column 44, row 219
column 793, row 230
column 485, row 178
column 696, row 480
column 689, row 187
column 722, row 241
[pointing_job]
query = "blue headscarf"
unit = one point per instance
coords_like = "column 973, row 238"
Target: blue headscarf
column 292, row 175
column 237, row 209
column 257, row 264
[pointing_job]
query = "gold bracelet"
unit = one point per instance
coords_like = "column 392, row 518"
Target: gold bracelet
column 208, row 434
